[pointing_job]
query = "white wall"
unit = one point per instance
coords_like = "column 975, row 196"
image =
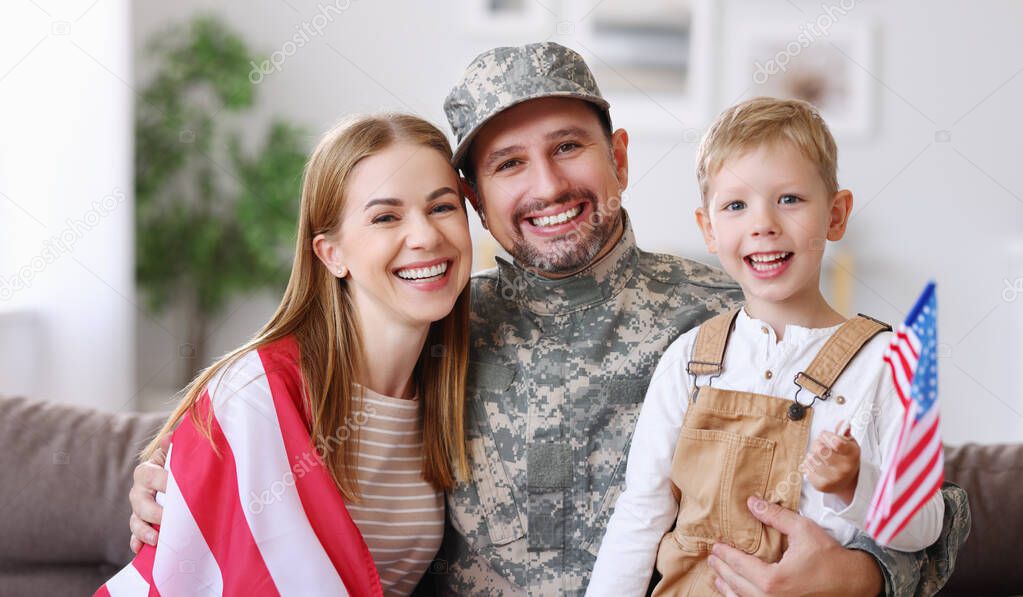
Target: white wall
column 943, row 210
column 948, row 211
column 67, row 298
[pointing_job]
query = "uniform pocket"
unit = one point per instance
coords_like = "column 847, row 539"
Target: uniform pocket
column 494, row 491
column 611, row 422
column 485, row 510
column 716, row 472
column 489, row 377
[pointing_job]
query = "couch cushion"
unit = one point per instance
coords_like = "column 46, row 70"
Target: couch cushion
column 66, row 473
column 989, row 562
column 53, row 580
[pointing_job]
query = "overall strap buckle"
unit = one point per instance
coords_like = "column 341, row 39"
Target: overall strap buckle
column 832, row 359
column 709, row 349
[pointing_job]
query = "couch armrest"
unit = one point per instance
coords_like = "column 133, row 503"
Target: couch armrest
column 66, row 472
column 989, row 561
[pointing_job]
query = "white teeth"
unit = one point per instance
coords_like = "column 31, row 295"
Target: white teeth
column 765, row 262
column 765, row 268
column 421, row 273
column 557, row 218
column 766, row 257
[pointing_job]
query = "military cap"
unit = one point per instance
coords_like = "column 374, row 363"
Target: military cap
column 503, row 77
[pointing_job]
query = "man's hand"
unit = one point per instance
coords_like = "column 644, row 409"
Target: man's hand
column 150, row 477
column 813, row 564
column 833, row 463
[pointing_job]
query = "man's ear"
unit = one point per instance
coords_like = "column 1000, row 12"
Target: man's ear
column 469, row 193
column 703, row 221
column 620, row 153
column 838, row 218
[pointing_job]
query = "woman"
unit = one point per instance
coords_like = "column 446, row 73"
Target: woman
column 313, row 459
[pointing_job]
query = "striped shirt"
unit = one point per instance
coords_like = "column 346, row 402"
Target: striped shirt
column 400, row 515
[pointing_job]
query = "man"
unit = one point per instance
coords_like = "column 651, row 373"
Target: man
column 564, row 342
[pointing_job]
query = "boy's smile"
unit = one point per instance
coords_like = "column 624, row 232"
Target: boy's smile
column 768, row 265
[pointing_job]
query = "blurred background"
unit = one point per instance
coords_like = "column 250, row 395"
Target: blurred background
column 150, row 160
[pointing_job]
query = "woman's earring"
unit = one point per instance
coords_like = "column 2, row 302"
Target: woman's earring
column 341, row 271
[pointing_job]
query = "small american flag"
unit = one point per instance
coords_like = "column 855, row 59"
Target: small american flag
column 915, row 466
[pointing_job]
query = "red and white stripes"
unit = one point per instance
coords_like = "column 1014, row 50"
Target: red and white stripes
column 915, row 464
column 262, row 517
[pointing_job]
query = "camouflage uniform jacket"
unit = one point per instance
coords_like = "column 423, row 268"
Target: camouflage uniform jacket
column 558, row 372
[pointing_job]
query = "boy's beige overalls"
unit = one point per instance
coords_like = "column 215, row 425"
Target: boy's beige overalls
column 736, row 444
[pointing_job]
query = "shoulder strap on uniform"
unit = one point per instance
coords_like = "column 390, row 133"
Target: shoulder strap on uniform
column 711, row 339
column 837, row 352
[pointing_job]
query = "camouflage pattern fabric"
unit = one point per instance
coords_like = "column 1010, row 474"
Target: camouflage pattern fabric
column 925, row 572
column 558, row 374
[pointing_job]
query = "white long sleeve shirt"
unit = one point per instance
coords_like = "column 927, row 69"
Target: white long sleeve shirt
column 754, row 362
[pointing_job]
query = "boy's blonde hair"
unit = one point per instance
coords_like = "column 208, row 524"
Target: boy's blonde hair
column 765, row 120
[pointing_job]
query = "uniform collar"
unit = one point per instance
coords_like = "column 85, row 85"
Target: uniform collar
column 593, row 285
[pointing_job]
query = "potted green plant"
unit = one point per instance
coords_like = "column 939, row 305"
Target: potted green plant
column 213, row 221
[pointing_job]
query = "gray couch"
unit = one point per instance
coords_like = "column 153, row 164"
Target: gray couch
column 64, row 479
column 65, row 474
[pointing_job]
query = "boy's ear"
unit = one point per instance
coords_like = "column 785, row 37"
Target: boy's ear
column 469, row 193
column 838, row 218
column 703, row 221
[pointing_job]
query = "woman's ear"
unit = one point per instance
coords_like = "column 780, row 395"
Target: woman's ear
column 329, row 255
column 470, row 193
column 838, row 218
column 703, row 221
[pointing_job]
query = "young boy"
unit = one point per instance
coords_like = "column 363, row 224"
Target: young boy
column 733, row 405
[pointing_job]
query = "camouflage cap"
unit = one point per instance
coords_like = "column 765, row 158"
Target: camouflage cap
column 503, row 77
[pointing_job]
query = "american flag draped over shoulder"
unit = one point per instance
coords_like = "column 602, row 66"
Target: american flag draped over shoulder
column 262, row 515
column 915, row 466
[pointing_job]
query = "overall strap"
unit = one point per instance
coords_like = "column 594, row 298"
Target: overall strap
column 819, row 377
column 711, row 339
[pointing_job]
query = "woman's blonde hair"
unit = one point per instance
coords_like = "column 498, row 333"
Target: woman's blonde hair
column 317, row 309
column 765, row 120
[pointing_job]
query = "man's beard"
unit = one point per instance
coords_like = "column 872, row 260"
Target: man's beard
column 574, row 250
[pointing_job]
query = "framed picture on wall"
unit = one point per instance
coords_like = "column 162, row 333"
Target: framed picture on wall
column 832, row 70
column 652, row 59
